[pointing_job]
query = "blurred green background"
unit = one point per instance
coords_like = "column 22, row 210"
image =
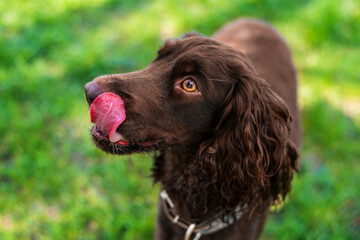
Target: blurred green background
column 54, row 183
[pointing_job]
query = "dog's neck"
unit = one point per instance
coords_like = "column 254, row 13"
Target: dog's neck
column 183, row 188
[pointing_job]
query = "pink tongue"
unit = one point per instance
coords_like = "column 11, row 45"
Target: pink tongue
column 107, row 112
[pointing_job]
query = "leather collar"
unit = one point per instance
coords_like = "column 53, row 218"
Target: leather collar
column 210, row 226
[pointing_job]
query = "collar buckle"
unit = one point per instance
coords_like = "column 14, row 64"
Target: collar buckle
column 190, row 230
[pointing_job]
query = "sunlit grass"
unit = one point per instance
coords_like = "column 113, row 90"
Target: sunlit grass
column 54, row 183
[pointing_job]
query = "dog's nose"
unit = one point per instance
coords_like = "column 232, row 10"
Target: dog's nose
column 92, row 91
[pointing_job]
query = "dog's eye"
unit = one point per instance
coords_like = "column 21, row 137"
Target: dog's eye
column 189, row 85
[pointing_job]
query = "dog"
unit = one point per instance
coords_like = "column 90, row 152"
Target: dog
column 222, row 117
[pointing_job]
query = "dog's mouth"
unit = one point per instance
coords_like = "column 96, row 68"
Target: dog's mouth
column 107, row 112
column 122, row 141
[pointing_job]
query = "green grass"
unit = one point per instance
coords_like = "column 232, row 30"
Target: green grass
column 54, row 183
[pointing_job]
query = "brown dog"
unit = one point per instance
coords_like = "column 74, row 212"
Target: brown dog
column 218, row 113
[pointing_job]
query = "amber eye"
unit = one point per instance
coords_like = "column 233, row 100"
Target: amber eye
column 189, row 85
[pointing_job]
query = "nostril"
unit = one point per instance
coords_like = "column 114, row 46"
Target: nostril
column 92, row 91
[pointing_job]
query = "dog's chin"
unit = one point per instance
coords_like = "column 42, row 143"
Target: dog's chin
column 123, row 147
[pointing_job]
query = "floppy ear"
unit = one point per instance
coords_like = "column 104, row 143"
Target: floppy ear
column 251, row 155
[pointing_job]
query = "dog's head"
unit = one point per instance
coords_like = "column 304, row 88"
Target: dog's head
column 175, row 101
column 204, row 98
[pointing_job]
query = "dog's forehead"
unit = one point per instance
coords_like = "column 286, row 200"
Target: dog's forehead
column 195, row 43
column 166, row 48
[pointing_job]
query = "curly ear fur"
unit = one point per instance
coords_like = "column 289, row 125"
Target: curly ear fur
column 250, row 158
